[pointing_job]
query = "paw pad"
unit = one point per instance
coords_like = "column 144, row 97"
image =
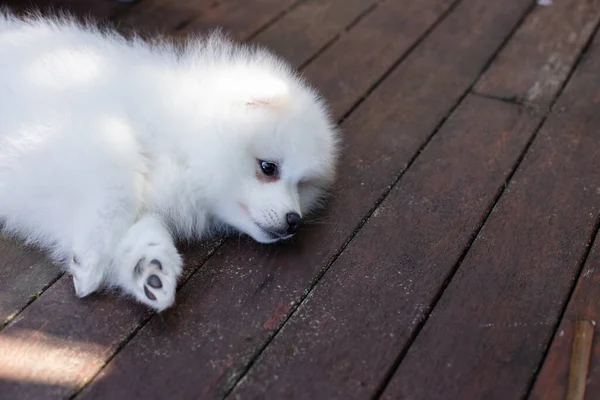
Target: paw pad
column 149, row 269
column 154, row 281
column 157, row 263
column 149, row 294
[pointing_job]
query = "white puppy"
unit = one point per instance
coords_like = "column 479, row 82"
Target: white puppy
column 111, row 148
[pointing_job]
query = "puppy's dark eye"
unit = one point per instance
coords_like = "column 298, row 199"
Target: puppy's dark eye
column 268, row 168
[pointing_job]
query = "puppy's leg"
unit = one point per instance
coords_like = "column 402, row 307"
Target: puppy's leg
column 88, row 272
column 93, row 248
column 147, row 263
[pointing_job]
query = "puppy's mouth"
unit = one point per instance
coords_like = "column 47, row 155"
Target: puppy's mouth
column 274, row 235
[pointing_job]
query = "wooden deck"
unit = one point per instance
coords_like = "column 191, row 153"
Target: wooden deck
column 453, row 261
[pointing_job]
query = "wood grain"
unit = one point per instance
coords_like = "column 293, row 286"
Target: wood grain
column 162, row 16
column 552, row 381
column 24, row 272
column 358, row 58
column 489, row 331
column 316, row 22
column 537, row 60
column 240, row 18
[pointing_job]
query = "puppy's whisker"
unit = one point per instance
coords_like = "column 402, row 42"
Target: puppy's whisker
column 307, row 223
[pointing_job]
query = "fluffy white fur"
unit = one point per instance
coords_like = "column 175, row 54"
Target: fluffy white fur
column 110, row 149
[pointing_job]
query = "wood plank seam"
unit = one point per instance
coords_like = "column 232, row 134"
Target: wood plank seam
column 495, row 201
column 183, row 24
column 339, row 35
column 547, row 113
column 135, row 7
column 510, row 100
column 592, row 238
column 31, row 299
column 469, row 90
column 264, row 27
column 145, row 321
column 274, row 19
column 399, row 61
column 565, row 305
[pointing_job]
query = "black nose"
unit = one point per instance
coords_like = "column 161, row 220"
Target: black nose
column 294, row 222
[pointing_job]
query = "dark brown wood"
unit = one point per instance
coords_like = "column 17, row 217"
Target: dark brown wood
column 552, row 382
column 371, row 48
column 24, row 273
column 580, row 359
column 60, row 342
column 316, row 22
column 99, row 9
column 489, row 331
column 162, row 16
column 344, row 338
column 240, row 18
column 230, row 308
column 538, row 59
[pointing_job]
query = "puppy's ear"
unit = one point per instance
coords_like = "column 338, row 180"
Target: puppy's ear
column 266, row 92
column 273, row 103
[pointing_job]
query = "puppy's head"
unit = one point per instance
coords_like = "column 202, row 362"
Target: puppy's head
column 281, row 146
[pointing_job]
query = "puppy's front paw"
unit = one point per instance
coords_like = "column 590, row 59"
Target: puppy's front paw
column 155, row 276
column 147, row 264
column 149, row 270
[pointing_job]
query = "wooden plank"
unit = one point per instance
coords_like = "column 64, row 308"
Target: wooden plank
column 231, row 307
column 54, row 359
column 162, row 16
column 241, row 18
column 59, row 315
column 24, row 273
column 539, row 57
column 346, row 336
column 492, row 324
column 317, row 22
column 60, row 342
column 552, row 382
column 368, row 49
